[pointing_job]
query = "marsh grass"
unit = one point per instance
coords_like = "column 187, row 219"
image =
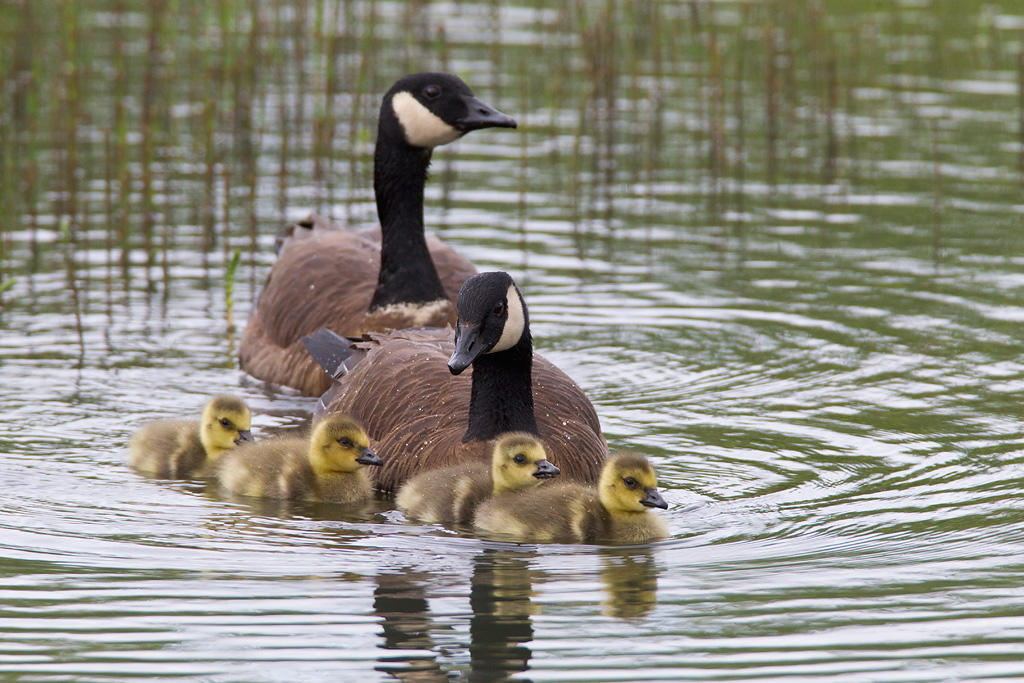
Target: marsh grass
column 229, row 289
column 176, row 139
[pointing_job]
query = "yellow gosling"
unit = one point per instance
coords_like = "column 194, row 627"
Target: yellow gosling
column 327, row 467
column 177, row 449
column 616, row 511
column 450, row 495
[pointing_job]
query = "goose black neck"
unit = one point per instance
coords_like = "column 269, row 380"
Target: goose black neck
column 501, row 399
column 407, row 273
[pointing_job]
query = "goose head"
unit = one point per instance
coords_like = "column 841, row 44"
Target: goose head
column 339, row 445
column 492, row 318
column 431, row 109
column 628, row 485
column 519, row 462
column 225, row 424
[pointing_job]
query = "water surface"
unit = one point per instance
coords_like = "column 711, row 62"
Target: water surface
column 780, row 247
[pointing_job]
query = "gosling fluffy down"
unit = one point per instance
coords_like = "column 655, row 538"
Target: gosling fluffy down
column 177, row 449
column 616, row 511
column 450, row 495
column 327, row 467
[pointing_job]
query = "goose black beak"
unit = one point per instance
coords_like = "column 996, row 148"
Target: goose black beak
column 467, row 347
column 653, row 499
column 368, row 457
column 545, row 470
column 244, row 436
column 481, row 115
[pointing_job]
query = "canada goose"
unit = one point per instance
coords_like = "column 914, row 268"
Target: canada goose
column 327, row 467
column 391, row 278
column 615, row 511
column 175, row 449
column 402, row 387
column 450, row 495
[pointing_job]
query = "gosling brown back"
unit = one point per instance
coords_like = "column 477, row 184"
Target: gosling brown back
column 169, row 449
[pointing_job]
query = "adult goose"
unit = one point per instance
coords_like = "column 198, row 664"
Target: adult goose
column 354, row 282
column 407, row 388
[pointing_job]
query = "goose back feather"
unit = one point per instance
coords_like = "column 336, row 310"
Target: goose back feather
column 419, row 413
column 391, row 278
column 310, row 261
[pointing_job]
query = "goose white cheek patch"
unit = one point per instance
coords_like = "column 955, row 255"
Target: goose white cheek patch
column 422, row 127
column 514, row 324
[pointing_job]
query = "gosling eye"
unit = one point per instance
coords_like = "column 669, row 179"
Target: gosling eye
column 432, row 91
column 226, row 423
column 345, row 442
column 519, row 458
column 630, row 482
column 499, row 309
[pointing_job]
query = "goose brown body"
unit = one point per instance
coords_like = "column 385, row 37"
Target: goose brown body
column 422, row 417
column 450, row 495
column 326, row 467
column 175, row 449
column 416, row 410
column 335, row 270
column 613, row 511
column 392, row 278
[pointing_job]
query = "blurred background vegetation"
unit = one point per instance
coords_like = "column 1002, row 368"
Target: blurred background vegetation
column 144, row 125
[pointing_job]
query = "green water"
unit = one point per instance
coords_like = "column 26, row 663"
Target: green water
column 780, row 246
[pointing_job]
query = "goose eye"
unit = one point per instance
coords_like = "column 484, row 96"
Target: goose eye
column 499, row 309
column 225, row 422
column 345, row 443
column 630, row 482
column 519, row 458
column 432, row 91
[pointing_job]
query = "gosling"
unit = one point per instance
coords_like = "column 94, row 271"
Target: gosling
column 328, row 467
column 450, row 495
column 180, row 449
column 616, row 511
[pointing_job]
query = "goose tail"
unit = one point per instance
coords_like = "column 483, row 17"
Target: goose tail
column 330, row 350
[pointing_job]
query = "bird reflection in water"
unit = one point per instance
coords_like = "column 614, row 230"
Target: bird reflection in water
column 501, row 600
column 499, row 597
column 630, row 577
column 401, row 604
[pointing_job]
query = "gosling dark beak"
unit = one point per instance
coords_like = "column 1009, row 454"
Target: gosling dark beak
column 368, row 457
column 467, row 347
column 545, row 470
column 653, row 499
column 480, row 115
column 244, row 436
